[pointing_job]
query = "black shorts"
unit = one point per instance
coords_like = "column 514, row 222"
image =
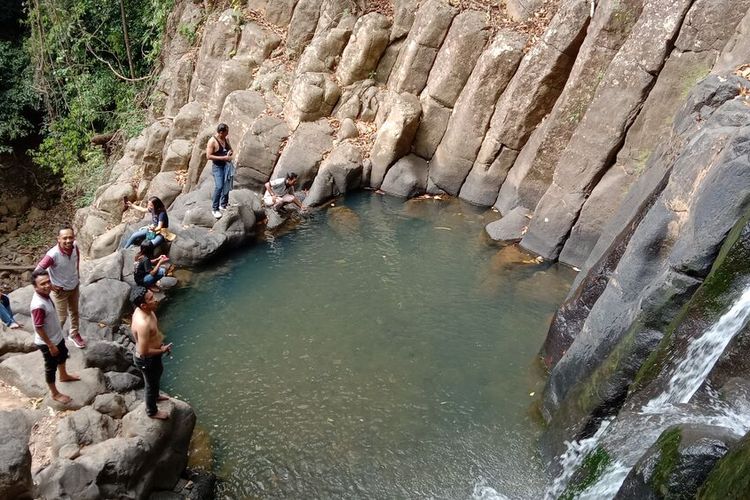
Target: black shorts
column 51, row 362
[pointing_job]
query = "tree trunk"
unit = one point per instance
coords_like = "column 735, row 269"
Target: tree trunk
column 127, row 38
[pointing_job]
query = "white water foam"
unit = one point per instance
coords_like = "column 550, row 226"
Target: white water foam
column 700, row 358
column 702, row 355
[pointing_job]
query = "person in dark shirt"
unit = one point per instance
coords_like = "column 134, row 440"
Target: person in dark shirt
column 159, row 223
column 147, row 270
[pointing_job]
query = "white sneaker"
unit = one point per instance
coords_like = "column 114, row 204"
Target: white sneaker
column 221, row 209
column 217, row 214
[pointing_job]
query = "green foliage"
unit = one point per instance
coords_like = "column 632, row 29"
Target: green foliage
column 189, row 32
column 16, row 94
column 93, row 79
column 730, row 477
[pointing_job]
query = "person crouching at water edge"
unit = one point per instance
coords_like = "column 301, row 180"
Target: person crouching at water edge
column 62, row 263
column 280, row 192
column 147, row 270
column 220, row 153
column 49, row 335
column 159, row 228
column 149, row 347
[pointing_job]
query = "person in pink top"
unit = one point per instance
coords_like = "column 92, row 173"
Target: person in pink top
column 62, row 262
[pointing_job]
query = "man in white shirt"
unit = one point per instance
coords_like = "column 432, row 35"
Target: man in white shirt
column 62, row 263
column 49, row 335
column 280, row 191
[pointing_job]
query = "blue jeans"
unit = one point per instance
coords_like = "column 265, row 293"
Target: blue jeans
column 6, row 314
column 150, row 280
column 220, row 199
column 137, row 237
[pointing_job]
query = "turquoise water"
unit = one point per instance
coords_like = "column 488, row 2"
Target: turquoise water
column 380, row 349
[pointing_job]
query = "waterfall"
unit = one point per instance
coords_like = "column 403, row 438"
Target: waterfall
column 700, row 357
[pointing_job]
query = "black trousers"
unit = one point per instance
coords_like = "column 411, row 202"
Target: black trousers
column 152, row 368
column 51, row 362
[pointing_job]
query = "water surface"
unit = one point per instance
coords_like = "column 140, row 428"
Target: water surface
column 381, row 349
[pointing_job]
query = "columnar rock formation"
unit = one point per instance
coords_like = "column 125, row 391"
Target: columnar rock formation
column 585, row 137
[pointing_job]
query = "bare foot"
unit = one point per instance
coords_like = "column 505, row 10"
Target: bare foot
column 162, row 397
column 70, row 378
column 15, row 325
column 160, row 415
column 61, row 398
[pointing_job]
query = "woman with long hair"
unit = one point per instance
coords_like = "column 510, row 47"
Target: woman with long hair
column 159, row 223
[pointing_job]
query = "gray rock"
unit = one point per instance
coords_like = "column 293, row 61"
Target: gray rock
column 347, row 130
column 122, row 382
column 302, row 26
column 110, row 404
column 20, row 300
column 104, row 301
column 241, row 108
column 219, row 42
column 464, row 43
column 737, row 49
column 340, row 172
column 81, row 428
column 313, row 96
column 395, row 135
column 155, row 136
column 234, row 74
column 367, row 43
column 17, row 340
column 177, row 155
column 418, row 54
column 109, row 267
column 15, row 458
column 407, row 177
column 165, row 186
column 459, row 146
column 304, row 151
column 186, row 124
column 619, row 96
column 106, row 243
column 481, row 186
column 194, row 245
column 256, row 43
column 322, row 54
column 678, row 463
column 109, row 201
column 107, row 356
column 259, row 151
column 511, row 227
column 522, row 10
column 432, row 126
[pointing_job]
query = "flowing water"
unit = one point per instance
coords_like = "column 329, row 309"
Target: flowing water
column 379, row 350
column 631, row 433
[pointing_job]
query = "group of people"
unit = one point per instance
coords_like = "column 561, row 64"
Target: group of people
column 56, row 283
column 278, row 192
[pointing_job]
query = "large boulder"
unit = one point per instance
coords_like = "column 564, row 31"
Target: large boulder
column 302, row 26
column 234, row 74
column 511, row 228
column 187, row 122
column 678, row 463
column 304, row 151
column 16, row 340
column 166, row 186
column 416, row 58
column 219, row 43
column 194, row 245
column 107, row 243
column 324, row 51
column 459, row 146
column 104, row 301
column 177, row 155
column 340, row 172
column 81, row 428
column 366, row 44
column 108, row 356
column 259, row 151
column 395, row 134
column 241, row 108
column 109, row 267
column 155, row 137
column 15, row 458
column 407, row 177
column 313, row 96
column 122, row 382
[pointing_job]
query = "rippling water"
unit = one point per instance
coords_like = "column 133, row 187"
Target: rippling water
column 380, row 350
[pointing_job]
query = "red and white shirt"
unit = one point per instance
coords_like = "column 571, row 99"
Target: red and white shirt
column 62, row 266
column 44, row 315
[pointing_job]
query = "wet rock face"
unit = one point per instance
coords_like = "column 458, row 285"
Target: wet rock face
column 678, row 463
column 661, row 265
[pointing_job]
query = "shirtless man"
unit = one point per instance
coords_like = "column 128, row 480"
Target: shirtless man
column 148, row 347
column 49, row 335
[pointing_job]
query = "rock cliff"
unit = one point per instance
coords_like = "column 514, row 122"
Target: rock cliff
column 612, row 136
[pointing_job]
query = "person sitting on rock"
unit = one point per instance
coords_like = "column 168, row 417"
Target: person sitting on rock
column 6, row 313
column 62, row 263
column 220, row 153
column 147, row 270
column 149, row 347
column 159, row 228
column 280, row 192
column 49, row 335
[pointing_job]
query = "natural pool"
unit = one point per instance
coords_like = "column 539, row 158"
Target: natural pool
column 381, row 349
